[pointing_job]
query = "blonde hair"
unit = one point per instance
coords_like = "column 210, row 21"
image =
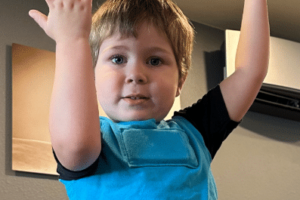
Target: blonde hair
column 125, row 15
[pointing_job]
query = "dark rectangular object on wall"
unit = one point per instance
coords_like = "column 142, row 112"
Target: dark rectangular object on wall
column 278, row 101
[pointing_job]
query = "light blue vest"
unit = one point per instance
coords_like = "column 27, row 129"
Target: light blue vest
column 148, row 160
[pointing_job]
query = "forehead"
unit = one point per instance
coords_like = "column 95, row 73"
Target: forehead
column 145, row 35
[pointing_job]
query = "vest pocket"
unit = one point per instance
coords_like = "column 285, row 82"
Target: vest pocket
column 156, row 147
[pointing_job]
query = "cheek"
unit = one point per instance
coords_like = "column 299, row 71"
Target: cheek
column 166, row 90
column 108, row 84
column 169, row 82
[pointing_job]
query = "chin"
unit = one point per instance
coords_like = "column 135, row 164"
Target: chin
column 139, row 118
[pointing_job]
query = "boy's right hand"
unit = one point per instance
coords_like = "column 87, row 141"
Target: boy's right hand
column 74, row 123
column 68, row 20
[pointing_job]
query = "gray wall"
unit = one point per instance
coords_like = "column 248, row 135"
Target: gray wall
column 17, row 27
column 259, row 160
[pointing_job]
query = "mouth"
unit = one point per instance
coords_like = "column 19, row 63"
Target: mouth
column 135, row 97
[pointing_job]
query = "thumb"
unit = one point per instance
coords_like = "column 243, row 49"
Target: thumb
column 39, row 18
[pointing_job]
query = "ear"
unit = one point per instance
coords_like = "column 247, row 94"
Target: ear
column 180, row 85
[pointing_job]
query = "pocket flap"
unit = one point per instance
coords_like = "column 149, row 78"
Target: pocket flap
column 156, row 147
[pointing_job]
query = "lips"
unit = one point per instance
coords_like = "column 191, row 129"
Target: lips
column 136, row 97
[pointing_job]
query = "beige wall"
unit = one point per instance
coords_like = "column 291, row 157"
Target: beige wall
column 259, row 160
column 32, row 82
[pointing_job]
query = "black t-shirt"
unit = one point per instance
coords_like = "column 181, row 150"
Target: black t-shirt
column 210, row 117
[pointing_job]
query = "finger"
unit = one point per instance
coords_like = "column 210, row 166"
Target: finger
column 50, row 3
column 39, row 18
column 89, row 2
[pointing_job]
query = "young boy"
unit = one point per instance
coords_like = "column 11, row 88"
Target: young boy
column 141, row 51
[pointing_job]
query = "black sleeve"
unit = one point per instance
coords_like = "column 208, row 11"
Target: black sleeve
column 210, row 117
column 66, row 174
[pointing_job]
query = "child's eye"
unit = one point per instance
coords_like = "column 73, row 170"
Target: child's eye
column 155, row 61
column 117, row 59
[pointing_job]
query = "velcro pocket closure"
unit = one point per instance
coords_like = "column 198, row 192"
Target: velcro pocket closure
column 156, row 147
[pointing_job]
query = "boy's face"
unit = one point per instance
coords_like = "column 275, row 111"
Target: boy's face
column 137, row 78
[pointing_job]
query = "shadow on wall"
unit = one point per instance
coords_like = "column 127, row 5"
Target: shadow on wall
column 269, row 126
column 276, row 128
column 214, row 63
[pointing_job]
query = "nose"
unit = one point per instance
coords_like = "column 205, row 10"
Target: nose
column 136, row 74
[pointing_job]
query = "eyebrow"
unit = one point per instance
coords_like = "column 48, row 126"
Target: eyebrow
column 149, row 50
column 158, row 49
column 120, row 47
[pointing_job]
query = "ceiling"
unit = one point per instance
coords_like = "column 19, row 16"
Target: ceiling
column 284, row 15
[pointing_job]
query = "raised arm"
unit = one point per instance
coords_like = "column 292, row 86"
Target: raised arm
column 252, row 59
column 74, row 119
